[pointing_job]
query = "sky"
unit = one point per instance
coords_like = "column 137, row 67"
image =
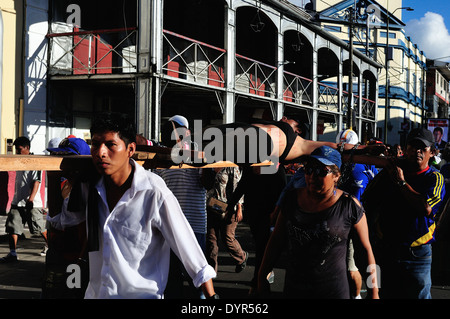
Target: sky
column 429, row 27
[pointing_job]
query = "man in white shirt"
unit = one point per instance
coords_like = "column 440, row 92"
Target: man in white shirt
column 133, row 221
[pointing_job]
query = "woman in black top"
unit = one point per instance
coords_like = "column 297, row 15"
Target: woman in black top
column 316, row 222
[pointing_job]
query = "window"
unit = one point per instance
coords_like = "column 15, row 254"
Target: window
column 392, row 35
column 332, row 28
column 407, row 80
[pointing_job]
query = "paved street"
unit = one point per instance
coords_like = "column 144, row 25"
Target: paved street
column 23, row 280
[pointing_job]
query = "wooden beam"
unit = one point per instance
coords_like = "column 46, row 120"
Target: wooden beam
column 40, row 162
column 149, row 160
column 74, row 162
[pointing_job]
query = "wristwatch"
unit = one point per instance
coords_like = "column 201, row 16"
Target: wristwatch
column 401, row 183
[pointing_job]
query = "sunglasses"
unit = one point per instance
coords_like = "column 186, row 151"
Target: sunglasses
column 319, row 171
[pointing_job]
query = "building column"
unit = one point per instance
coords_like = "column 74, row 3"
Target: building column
column 144, row 61
column 340, row 80
column 358, row 124
column 280, row 70
column 315, row 91
column 230, row 65
column 149, row 62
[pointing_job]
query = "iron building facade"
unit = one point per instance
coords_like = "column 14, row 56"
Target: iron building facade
column 218, row 61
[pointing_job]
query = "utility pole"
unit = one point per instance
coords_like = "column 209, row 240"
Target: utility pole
column 356, row 12
column 387, row 86
column 350, row 76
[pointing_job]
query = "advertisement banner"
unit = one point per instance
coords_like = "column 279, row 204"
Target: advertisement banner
column 439, row 128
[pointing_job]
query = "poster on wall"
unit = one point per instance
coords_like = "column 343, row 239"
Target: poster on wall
column 440, row 130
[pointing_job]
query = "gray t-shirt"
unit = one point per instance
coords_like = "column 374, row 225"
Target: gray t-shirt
column 23, row 186
column 317, row 248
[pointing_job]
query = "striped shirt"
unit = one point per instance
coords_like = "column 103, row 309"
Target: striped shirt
column 186, row 185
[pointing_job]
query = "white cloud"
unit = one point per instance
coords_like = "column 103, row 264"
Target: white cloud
column 431, row 35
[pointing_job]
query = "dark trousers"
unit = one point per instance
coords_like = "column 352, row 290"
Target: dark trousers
column 260, row 228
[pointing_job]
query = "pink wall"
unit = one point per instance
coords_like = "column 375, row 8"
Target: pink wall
column 7, row 190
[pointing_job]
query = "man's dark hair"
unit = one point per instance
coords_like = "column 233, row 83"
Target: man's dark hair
column 115, row 122
column 301, row 125
column 22, row 141
column 438, row 128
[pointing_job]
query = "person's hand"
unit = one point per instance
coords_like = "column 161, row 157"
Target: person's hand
column 375, row 149
column 395, row 172
column 274, row 215
column 238, row 216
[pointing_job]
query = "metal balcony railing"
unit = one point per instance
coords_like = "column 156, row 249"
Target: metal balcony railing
column 328, row 98
column 255, row 77
column 368, row 109
column 297, row 89
column 192, row 60
column 89, row 52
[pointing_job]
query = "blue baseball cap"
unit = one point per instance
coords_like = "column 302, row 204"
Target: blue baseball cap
column 71, row 146
column 326, row 155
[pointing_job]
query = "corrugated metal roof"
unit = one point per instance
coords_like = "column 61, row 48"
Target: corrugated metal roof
column 296, row 9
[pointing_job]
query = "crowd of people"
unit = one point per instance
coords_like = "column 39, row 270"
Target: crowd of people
column 340, row 219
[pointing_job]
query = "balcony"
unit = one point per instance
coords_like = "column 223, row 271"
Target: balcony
column 186, row 59
column 80, row 52
column 113, row 51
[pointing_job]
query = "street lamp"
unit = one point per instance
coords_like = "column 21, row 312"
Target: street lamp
column 386, row 107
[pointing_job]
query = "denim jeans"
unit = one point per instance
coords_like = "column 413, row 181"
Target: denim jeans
column 408, row 274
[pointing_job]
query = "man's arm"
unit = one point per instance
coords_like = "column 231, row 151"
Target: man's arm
column 34, row 190
column 415, row 199
column 208, row 289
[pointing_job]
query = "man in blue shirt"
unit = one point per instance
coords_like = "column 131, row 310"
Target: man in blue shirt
column 355, row 176
column 404, row 198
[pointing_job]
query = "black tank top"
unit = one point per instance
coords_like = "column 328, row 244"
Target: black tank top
column 288, row 132
column 233, row 153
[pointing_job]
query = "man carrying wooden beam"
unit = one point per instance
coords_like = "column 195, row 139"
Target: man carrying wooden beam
column 133, row 220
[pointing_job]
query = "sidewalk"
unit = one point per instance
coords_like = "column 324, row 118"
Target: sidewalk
column 23, row 279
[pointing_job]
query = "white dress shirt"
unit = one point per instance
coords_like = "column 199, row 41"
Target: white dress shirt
column 136, row 238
